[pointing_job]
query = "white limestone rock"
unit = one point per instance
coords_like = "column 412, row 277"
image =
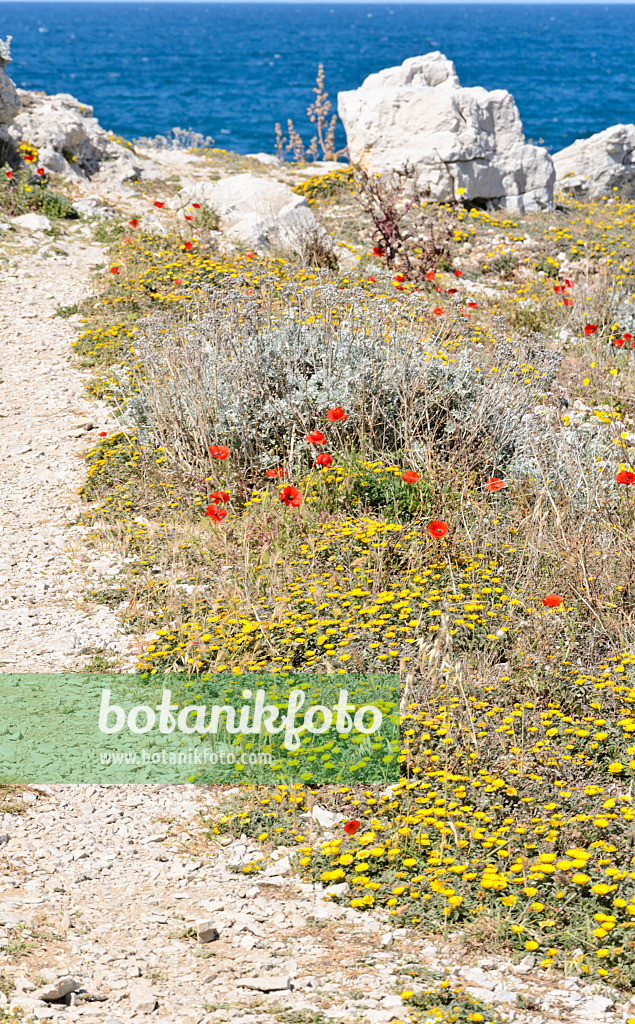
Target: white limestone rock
column 32, row 222
column 9, row 102
column 454, row 137
column 597, row 165
column 257, row 212
column 70, row 140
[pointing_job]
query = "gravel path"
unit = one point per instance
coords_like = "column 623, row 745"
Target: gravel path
column 115, row 902
column 43, row 413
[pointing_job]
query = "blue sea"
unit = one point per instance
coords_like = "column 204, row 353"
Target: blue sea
column 231, row 71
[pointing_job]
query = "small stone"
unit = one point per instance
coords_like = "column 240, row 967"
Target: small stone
column 142, row 999
column 505, row 997
column 58, row 989
column 33, row 222
column 206, row 931
column 269, row 983
column 525, row 965
column 593, row 1006
column 386, row 940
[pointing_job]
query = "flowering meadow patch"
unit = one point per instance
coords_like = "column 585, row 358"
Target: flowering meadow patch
column 423, row 475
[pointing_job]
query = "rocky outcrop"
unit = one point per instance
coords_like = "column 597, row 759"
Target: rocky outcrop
column 9, row 103
column 464, row 143
column 9, row 106
column 257, row 212
column 70, row 140
column 600, row 164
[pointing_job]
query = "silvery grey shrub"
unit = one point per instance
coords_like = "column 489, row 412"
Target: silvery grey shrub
column 259, row 378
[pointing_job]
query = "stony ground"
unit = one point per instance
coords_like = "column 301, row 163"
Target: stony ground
column 115, row 904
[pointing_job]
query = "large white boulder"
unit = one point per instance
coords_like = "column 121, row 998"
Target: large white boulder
column 70, row 140
column 599, row 164
column 257, row 212
column 454, row 137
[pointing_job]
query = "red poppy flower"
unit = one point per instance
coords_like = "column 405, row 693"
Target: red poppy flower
column 177, row 280
column 126, row 239
column 371, row 280
column 215, row 513
column 558, row 288
column 219, row 496
column 627, row 337
column 196, row 206
column 333, row 415
column 439, row 289
column 188, row 216
column 378, row 251
column 590, row 329
column 438, row 528
column 398, row 286
column 568, row 283
column 159, row 205
column 567, row 302
column 437, row 311
column 114, row 270
column 134, row 223
column 218, row 451
column 41, row 172
column 473, row 305
column 291, row 496
column 552, row 601
column 274, row 474
column 458, row 273
column 400, row 277
column 452, row 291
column 9, row 174
column 188, row 246
column 618, row 342
column 324, row 460
column 351, row 827
column 625, row 477
column 495, row 484
column 29, row 157
column 316, row 437
column 410, row 476
column 430, row 275
column 250, row 255
column 103, row 433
